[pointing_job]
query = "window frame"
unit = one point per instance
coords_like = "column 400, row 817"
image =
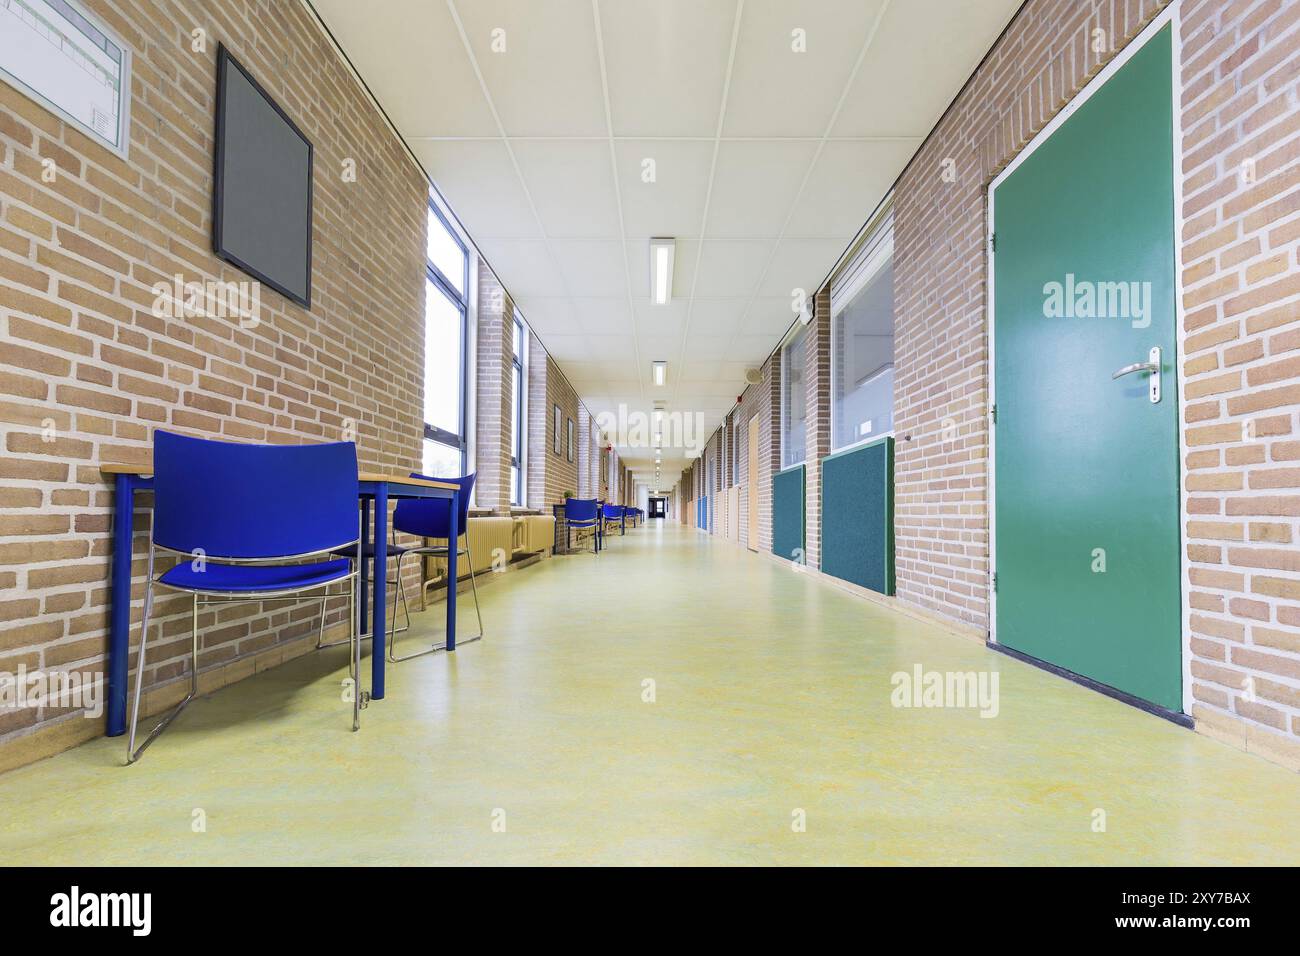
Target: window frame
column 461, row 302
column 799, row 329
column 880, row 254
column 518, row 441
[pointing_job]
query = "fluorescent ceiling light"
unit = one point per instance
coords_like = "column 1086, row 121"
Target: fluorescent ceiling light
column 662, row 252
column 660, row 370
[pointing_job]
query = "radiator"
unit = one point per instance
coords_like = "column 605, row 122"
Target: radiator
column 486, row 537
column 534, row 533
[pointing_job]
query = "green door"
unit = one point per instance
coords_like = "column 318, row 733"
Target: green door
column 1087, row 554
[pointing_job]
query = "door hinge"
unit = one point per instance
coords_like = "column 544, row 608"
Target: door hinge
column 995, row 582
column 993, row 242
column 993, row 413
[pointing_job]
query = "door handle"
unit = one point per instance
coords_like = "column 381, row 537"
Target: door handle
column 1152, row 365
column 1137, row 367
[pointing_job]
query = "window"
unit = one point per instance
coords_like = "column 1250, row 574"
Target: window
column 557, row 425
column 445, row 253
column 517, row 414
column 445, row 319
column 862, row 352
column 793, row 400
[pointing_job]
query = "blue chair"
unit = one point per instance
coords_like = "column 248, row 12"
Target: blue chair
column 423, row 517
column 431, row 518
column 236, row 514
column 582, row 514
column 612, row 513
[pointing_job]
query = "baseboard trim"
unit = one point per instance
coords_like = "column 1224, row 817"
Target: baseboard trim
column 435, row 589
column 1173, row 716
column 956, row 628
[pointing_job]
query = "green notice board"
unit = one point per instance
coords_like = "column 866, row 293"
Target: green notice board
column 787, row 514
column 858, row 515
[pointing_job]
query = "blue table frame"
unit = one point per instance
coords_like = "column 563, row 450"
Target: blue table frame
column 129, row 479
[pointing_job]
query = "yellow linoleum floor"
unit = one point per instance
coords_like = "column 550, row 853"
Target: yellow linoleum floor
column 772, row 696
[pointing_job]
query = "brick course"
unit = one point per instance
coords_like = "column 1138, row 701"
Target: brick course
column 494, row 365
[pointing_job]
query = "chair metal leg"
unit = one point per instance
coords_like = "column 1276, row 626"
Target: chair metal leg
column 406, row 611
column 320, row 644
column 320, row 630
column 354, row 615
column 132, row 752
column 473, row 585
column 392, row 633
column 194, row 648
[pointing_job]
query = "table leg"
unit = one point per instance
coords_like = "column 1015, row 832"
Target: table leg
column 119, row 621
column 379, row 619
column 453, row 545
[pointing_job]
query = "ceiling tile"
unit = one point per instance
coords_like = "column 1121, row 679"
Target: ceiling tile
column 546, row 79
column 481, row 186
column 663, row 184
column 666, row 62
column 776, row 91
column 768, row 316
column 551, row 168
column 549, row 317
column 567, row 349
column 391, row 46
column 527, row 263
column 660, row 320
column 611, row 346
column 704, row 346
column 847, row 182
column 605, row 316
column 755, row 187
column 717, row 316
column 802, row 264
column 936, row 44
column 732, row 268
column 591, row 268
column 700, row 370
column 657, row 346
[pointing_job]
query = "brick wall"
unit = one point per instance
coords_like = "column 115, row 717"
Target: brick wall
column 817, row 436
column 603, row 473
column 85, row 354
column 941, row 362
column 539, row 423
column 587, row 452
column 593, row 476
column 1241, row 251
column 550, row 476
column 559, row 473
column 494, row 362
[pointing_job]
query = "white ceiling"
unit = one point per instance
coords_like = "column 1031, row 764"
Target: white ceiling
column 767, row 160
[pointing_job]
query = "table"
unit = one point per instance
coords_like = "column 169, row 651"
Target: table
column 375, row 487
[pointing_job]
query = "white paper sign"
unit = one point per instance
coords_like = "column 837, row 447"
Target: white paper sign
column 60, row 55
